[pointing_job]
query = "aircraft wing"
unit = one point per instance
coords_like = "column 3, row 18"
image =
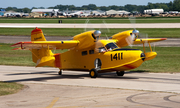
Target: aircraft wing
column 47, row 44
column 141, row 41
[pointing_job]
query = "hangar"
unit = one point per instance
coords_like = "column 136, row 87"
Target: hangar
column 51, row 12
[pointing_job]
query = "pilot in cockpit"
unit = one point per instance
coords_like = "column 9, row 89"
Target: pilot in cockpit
column 108, row 47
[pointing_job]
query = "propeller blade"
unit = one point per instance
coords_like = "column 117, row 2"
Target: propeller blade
column 133, row 22
column 143, row 36
column 87, row 26
column 104, row 29
column 129, row 40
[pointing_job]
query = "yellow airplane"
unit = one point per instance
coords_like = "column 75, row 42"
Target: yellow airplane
column 86, row 52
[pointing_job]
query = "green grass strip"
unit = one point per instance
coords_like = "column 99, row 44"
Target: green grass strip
column 75, row 20
column 152, row 32
column 9, row 88
column 167, row 60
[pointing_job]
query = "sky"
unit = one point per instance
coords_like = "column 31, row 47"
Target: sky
column 52, row 3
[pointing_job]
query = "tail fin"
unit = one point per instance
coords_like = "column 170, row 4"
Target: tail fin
column 37, row 35
column 42, row 56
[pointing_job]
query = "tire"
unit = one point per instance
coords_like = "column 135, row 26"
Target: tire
column 60, row 72
column 93, row 73
column 120, row 73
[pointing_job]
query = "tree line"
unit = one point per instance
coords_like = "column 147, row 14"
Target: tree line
column 171, row 6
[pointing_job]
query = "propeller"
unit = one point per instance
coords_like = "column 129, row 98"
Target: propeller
column 104, row 29
column 135, row 33
column 133, row 22
column 130, row 39
column 87, row 26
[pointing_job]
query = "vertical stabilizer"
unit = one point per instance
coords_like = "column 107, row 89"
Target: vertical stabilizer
column 37, row 35
column 42, row 56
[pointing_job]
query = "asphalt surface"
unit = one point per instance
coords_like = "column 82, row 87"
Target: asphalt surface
column 108, row 25
column 45, row 89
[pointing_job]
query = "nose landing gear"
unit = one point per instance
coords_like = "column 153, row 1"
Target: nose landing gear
column 120, row 73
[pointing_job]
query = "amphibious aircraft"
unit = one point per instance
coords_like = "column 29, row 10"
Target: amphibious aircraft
column 87, row 52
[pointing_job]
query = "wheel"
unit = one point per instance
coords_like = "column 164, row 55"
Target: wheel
column 60, row 72
column 120, row 73
column 93, row 73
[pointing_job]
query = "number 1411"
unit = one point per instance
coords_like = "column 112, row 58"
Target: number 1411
column 117, row 56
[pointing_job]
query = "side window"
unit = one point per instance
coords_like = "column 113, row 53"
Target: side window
column 91, row 51
column 102, row 49
column 84, row 53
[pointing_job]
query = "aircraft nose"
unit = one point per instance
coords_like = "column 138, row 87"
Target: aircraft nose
column 143, row 56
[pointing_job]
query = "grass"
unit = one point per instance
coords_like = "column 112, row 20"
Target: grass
column 167, row 60
column 9, row 88
column 17, row 57
column 152, row 32
column 95, row 20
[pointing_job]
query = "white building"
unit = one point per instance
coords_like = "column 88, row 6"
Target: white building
column 173, row 12
column 77, row 13
column 12, row 13
column 153, row 11
column 114, row 12
column 124, row 12
column 52, row 12
column 98, row 12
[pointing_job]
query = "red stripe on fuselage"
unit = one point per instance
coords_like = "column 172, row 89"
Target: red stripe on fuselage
column 57, row 60
column 129, row 66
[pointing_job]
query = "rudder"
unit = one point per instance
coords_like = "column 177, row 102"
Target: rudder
column 42, row 56
column 37, row 35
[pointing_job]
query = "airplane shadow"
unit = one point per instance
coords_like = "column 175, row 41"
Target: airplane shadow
column 137, row 71
column 49, row 73
column 52, row 75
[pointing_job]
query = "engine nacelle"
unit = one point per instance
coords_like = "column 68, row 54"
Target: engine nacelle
column 86, row 39
column 124, row 38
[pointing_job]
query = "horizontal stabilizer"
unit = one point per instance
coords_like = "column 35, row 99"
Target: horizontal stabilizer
column 17, row 48
column 47, row 44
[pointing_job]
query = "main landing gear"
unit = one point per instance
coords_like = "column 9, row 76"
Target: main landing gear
column 60, row 72
column 120, row 73
column 93, row 73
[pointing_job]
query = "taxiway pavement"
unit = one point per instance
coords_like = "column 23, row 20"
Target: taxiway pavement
column 46, row 89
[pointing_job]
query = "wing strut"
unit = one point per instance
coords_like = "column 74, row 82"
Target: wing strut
column 149, row 55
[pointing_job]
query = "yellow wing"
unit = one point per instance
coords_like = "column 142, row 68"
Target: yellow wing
column 38, row 41
column 47, row 44
column 141, row 41
column 125, row 39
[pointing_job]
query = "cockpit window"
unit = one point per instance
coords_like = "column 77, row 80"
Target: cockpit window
column 110, row 46
column 102, row 49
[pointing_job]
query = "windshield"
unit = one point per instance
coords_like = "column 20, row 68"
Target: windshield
column 111, row 46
